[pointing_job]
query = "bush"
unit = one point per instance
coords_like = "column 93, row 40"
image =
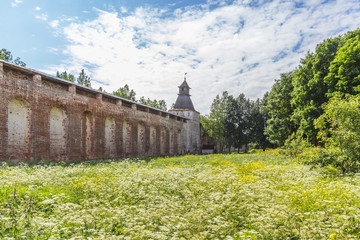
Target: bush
column 339, row 129
column 296, row 145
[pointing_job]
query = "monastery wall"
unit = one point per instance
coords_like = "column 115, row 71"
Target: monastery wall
column 191, row 130
column 44, row 117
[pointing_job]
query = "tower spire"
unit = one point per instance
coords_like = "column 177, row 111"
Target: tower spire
column 183, row 101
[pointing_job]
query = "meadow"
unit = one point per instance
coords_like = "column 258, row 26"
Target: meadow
column 234, row 196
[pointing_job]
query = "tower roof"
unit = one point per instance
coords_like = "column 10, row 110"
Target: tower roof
column 183, row 100
column 184, row 85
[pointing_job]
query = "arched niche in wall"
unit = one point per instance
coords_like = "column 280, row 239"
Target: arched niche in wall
column 162, row 141
column 87, row 135
column 110, row 145
column 58, row 129
column 127, row 137
column 19, row 129
column 141, row 139
column 179, row 142
column 152, row 140
column 172, row 142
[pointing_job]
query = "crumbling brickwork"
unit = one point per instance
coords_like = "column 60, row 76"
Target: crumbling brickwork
column 44, row 117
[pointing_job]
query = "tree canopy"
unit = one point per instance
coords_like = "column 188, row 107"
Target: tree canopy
column 66, row 76
column 236, row 122
column 84, row 79
column 126, row 93
column 7, row 56
column 297, row 99
column 159, row 104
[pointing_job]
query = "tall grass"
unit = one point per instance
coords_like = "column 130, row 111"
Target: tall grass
column 235, row 196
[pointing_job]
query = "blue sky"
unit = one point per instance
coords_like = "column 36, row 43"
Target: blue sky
column 240, row 46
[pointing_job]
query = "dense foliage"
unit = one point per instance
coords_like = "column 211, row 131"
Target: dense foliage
column 297, row 99
column 259, row 196
column 236, row 122
column 279, row 125
column 214, row 123
column 340, row 130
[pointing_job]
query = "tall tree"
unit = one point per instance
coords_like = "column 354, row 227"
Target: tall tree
column 237, row 121
column 7, row 56
column 344, row 75
column 126, row 93
column 84, row 79
column 213, row 123
column 279, row 110
column 257, row 122
column 332, row 68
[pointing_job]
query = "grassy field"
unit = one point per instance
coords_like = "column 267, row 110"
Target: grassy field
column 237, row 196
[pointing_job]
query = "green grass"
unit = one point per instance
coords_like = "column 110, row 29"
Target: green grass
column 236, row 196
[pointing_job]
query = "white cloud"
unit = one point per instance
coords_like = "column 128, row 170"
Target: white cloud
column 123, row 10
column 53, row 50
column 54, row 23
column 16, row 2
column 37, row 8
column 237, row 47
column 42, row 16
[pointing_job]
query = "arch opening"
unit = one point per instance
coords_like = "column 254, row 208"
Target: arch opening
column 163, row 141
column 19, row 129
column 141, row 139
column 57, row 131
column 127, row 138
column 110, row 145
column 152, row 140
column 87, row 128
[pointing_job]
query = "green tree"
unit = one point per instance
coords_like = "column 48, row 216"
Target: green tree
column 66, row 76
column 213, row 123
column 161, row 104
column 7, row 56
column 344, row 75
column 237, row 121
column 84, row 79
column 339, row 129
column 279, row 110
column 333, row 68
column 125, row 92
column 257, row 122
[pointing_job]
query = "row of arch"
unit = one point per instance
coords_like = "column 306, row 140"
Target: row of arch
column 20, row 127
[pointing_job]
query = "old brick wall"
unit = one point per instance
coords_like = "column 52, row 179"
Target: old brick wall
column 43, row 117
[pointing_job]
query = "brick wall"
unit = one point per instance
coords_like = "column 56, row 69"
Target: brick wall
column 44, row 117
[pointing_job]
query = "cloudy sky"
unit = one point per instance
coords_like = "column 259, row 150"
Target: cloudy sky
column 239, row 46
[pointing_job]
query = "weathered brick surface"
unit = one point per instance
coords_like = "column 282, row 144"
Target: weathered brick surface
column 71, row 122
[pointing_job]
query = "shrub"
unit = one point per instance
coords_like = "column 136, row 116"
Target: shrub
column 339, row 129
column 296, row 145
